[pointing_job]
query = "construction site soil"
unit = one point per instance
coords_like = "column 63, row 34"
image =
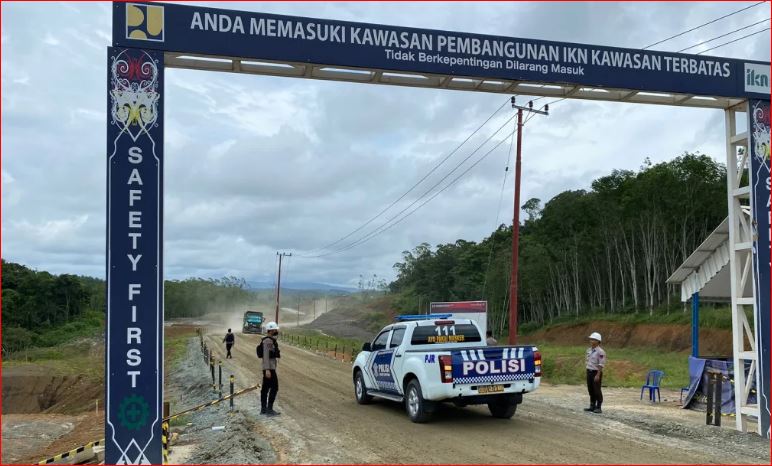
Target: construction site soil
column 25, row 393
column 321, row 423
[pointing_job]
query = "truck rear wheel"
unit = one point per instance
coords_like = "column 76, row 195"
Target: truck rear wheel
column 418, row 409
column 504, row 408
column 360, row 390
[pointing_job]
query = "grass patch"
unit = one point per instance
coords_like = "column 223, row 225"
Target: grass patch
column 180, row 421
column 89, row 325
column 627, row 367
column 314, row 339
column 176, row 347
column 83, row 357
column 710, row 317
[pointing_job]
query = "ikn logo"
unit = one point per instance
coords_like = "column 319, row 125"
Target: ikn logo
column 145, row 22
column 756, row 78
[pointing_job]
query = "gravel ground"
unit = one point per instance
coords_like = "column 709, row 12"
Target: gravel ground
column 322, row 423
column 197, row 443
column 27, row 435
column 664, row 421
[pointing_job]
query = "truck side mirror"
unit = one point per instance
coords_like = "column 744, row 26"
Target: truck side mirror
column 366, row 347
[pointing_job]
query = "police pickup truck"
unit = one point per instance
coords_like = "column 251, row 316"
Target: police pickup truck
column 427, row 359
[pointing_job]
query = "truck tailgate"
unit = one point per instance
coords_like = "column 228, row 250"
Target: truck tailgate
column 496, row 364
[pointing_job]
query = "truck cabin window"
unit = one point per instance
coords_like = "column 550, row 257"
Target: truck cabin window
column 380, row 341
column 396, row 337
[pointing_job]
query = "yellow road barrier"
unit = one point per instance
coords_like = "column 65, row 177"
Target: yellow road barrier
column 72, row 453
column 164, row 427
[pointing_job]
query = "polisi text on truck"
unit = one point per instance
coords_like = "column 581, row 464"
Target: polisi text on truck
column 502, row 366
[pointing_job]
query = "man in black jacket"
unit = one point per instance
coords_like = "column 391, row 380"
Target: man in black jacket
column 270, row 355
column 229, row 340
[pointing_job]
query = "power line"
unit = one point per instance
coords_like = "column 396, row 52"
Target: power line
column 498, row 213
column 545, row 106
column 704, row 24
column 733, row 41
column 724, row 35
column 384, row 226
column 378, row 232
column 383, row 230
column 687, row 48
column 416, row 184
column 428, row 190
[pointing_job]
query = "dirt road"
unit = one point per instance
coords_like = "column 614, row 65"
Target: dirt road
column 322, row 423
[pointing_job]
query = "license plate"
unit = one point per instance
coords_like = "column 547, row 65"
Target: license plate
column 490, row 389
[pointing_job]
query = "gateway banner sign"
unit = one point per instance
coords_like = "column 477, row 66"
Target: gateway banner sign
column 210, row 31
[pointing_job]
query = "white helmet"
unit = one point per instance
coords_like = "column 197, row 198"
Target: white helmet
column 593, row 336
column 271, row 326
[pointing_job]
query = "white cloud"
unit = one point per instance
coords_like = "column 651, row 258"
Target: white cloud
column 256, row 164
column 49, row 39
column 58, row 234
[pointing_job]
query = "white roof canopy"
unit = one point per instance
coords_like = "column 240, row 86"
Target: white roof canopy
column 706, row 271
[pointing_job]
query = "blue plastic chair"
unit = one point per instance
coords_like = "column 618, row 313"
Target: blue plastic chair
column 653, row 379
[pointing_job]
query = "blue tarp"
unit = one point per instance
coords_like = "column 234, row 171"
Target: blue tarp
column 696, row 369
column 698, row 383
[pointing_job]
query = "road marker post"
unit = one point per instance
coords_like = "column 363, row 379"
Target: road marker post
column 211, row 369
column 231, row 379
column 165, row 433
column 219, row 377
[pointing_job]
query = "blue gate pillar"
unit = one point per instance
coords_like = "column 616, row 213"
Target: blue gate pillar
column 134, row 346
column 696, row 325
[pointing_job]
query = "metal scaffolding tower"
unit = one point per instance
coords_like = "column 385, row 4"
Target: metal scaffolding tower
column 741, row 237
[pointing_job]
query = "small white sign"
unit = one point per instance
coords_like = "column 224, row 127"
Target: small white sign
column 757, row 78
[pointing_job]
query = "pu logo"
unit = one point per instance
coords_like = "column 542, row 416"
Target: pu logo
column 145, row 22
column 757, row 78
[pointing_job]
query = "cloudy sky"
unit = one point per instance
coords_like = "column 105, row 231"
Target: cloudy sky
column 260, row 164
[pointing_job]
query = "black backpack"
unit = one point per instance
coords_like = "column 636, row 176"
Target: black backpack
column 275, row 354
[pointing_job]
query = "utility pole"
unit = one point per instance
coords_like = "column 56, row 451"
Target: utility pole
column 516, row 220
column 298, row 313
column 278, row 284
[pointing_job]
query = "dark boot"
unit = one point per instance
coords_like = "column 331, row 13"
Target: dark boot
column 590, row 409
column 272, row 412
column 263, row 410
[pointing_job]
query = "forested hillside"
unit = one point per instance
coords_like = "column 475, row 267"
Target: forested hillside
column 609, row 249
column 41, row 309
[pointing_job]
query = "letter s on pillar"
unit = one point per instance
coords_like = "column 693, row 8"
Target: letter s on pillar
column 135, row 155
column 133, row 357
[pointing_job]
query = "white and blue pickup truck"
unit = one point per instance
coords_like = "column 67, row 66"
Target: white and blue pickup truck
column 427, row 359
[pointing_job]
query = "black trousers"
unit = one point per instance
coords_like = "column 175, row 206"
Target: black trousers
column 593, row 388
column 228, row 347
column 269, row 389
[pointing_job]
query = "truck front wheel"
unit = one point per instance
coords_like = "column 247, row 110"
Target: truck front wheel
column 418, row 409
column 504, row 408
column 360, row 390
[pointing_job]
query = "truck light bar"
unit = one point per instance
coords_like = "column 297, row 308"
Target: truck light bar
column 409, row 317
